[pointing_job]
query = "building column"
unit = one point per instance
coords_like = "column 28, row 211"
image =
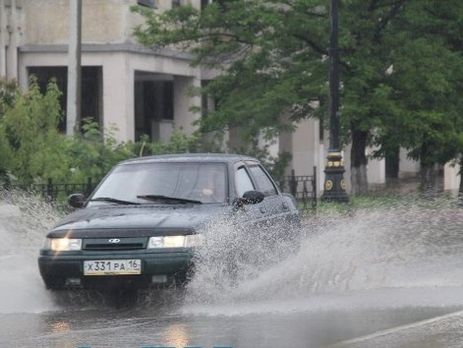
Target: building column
column 118, row 98
column 74, row 95
column 451, row 177
column 183, row 102
column 3, row 38
column 12, row 51
column 376, row 169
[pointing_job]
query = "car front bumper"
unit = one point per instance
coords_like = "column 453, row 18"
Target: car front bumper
column 65, row 269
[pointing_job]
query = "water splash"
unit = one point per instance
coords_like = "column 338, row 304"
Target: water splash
column 24, row 220
column 404, row 245
column 401, row 245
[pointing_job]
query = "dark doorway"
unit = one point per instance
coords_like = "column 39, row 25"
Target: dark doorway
column 154, row 104
column 392, row 163
column 92, row 89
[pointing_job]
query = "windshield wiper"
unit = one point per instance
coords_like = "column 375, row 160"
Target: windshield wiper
column 167, row 198
column 112, row 200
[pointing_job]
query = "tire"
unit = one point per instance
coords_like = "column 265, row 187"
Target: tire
column 54, row 283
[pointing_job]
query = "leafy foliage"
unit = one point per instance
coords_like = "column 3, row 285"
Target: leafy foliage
column 32, row 150
column 265, row 50
column 401, row 68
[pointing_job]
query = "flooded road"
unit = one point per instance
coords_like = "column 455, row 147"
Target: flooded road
column 155, row 328
column 385, row 276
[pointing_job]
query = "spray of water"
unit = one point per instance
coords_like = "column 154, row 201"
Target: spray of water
column 24, row 220
column 401, row 245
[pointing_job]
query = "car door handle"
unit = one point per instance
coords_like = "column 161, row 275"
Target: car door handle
column 262, row 210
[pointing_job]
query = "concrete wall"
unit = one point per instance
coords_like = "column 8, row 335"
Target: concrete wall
column 4, row 37
column 103, row 21
column 451, row 177
column 376, row 168
column 11, row 36
column 306, row 149
column 183, row 117
column 407, row 167
column 376, row 172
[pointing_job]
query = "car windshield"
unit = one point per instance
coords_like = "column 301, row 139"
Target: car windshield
column 164, row 183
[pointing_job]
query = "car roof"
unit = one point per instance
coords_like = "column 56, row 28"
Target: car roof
column 191, row 157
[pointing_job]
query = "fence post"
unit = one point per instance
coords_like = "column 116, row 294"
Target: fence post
column 314, row 187
column 305, row 196
column 49, row 190
column 89, row 187
column 293, row 183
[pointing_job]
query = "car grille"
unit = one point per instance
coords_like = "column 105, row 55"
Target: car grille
column 114, row 244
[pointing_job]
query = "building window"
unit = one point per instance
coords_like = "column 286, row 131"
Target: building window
column 92, row 89
column 204, row 3
column 176, row 3
column 147, row 3
column 154, row 104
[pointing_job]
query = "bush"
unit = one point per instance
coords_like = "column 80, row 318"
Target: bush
column 32, row 150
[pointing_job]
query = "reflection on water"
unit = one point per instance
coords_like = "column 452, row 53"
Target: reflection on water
column 60, row 327
column 176, row 335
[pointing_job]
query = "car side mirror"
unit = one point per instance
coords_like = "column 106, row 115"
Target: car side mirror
column 252, row 197
column 76, row 200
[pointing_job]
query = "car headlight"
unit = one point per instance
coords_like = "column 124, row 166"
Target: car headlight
column 189, row 241
column 63, row 244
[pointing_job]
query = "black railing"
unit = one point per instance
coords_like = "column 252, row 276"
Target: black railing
column 55, row 192
column 302, row 187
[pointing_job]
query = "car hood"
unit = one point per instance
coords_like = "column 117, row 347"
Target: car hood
column 185, row 218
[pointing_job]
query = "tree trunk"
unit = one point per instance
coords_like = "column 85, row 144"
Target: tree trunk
column 429, row 179
column 359, row 162
column 429, row 172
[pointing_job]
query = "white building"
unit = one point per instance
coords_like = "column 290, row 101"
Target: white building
column 123, row 84
column 127, row 86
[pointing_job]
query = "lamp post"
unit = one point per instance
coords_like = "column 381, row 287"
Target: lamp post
column 335, row 185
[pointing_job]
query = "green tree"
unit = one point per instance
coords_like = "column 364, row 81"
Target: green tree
column 272, row 57
column 401, row 69
column 32, row 149
column 8, row 90
column 31, row 143
column 424, row 104
column 268, row 53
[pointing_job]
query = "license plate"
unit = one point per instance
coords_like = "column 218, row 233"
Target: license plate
column 112, row 267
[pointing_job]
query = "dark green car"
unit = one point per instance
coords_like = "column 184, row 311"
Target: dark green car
column 142, row 224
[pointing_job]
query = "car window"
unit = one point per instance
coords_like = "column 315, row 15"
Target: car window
column 243, row 182
column 263, row 182
column 205, row 182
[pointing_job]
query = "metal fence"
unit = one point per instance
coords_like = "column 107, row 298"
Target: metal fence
column 302, row 187
column 52, row 191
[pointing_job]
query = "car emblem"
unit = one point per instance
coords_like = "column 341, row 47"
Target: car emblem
column 114, row 241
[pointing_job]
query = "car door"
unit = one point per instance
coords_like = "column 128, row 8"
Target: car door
column 274, row 208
